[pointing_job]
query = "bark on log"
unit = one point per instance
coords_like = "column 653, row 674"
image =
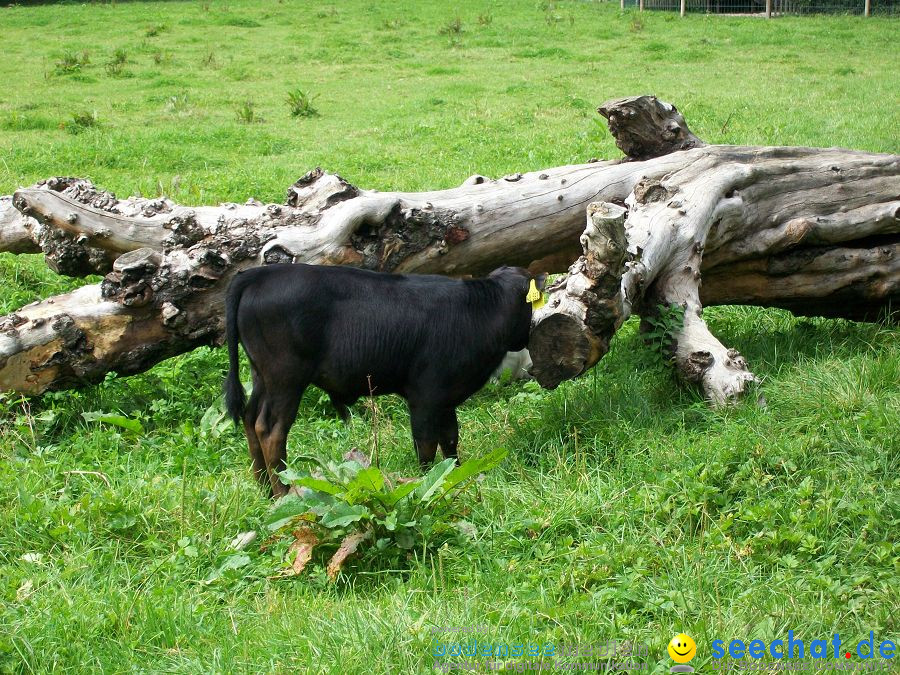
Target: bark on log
column 790, row 227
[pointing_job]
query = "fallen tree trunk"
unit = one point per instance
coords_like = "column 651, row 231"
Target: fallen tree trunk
column 813, row 231
column 787, row 227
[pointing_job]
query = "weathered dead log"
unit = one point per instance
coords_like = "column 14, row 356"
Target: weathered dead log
column 174, row 297
column 815, row 231
column 752, row 219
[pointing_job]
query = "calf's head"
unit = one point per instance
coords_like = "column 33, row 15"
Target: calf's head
column 515, row 283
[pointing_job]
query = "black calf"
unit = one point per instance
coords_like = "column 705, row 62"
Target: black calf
column 433, row 340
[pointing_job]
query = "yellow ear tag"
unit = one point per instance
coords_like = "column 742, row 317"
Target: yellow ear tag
column 535, row 297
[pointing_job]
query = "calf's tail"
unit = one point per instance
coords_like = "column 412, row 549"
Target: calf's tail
column 235, row 400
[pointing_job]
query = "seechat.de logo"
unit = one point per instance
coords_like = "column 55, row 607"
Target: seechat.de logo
column 682, row 649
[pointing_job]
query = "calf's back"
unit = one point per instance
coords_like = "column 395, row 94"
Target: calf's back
column 351, row 331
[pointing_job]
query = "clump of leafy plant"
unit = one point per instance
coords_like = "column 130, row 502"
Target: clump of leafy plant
column 246, row 113
column 72, row 62
column 115, row 67
column 301, row 103
column 177, row 104
column 636, row 24
column 485, row 19
column 155, row 29
column 209, row 60
column 81, row 121
column 452, row 28
column 347, row 508
column 661, row 329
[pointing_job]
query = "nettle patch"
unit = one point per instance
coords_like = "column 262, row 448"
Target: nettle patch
column 339, row 510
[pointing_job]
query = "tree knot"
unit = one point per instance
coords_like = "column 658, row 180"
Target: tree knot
column 695, row 365
column 649, row 190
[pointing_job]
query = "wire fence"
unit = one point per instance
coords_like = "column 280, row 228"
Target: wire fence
column 774, row 7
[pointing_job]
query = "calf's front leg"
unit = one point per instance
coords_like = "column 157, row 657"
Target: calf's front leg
column 425, row 429
column 448, row 433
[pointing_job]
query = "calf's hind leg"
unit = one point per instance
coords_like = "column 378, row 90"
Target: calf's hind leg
column 251, row 413
column 276, row 415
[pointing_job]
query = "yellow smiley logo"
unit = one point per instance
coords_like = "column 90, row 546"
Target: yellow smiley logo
column 682, row 648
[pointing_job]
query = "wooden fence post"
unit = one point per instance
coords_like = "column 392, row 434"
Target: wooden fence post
column 769, row 8
column 684, row 6
column 868, row 9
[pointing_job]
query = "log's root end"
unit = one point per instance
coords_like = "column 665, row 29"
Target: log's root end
column 562, row 349
column 723, row 377
column 572, row 333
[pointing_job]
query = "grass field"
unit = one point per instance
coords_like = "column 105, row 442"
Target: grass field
column 627, row 509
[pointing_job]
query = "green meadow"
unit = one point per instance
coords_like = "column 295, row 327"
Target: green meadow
column 626, row 508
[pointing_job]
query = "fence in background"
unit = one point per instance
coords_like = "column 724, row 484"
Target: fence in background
column 769, row 8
